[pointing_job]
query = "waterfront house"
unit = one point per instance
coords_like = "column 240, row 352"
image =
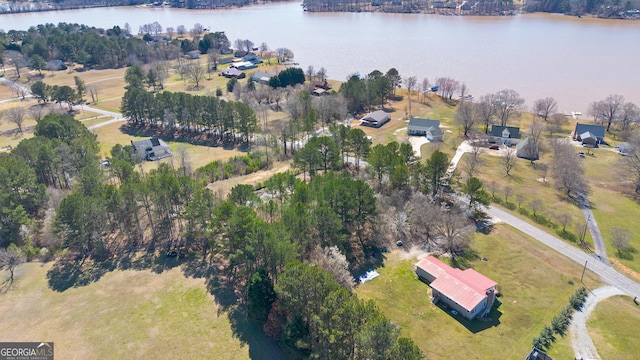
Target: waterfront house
column 589, row 134
column 505, row 135
column 425, row 127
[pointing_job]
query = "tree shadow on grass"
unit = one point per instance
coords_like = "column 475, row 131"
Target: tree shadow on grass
column 74, row 273
column 626, row 254
column 68, row 273
column 226, row 293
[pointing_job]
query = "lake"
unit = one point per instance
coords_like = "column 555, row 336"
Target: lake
column 577, row 61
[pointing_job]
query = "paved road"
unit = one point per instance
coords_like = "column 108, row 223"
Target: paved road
column 606, row 272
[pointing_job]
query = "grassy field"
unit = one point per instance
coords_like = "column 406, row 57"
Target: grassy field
column 125, row 315
column 535, row 281
column 613, row 327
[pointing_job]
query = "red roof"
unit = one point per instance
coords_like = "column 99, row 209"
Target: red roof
column 467, row 288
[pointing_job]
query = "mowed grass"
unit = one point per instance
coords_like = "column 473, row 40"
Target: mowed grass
column 615, row 210
column 535, row 285
column 125, row 315
column 613, row 327
column 526, row 181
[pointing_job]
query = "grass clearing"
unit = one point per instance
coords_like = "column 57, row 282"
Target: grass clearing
column 125, row 315
column 613, row 327
column 534, row 281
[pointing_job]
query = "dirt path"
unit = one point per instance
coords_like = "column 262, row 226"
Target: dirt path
column 223, row 187
column 581, row 342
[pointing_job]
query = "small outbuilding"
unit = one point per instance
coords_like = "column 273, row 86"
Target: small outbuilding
column 150, row 150
column 261, row 77
column 375, row 119
column 425, row 127
column 526, row 150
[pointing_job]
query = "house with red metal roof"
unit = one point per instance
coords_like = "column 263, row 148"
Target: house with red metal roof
column 468, row 292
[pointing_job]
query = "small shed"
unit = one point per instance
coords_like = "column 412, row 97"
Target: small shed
column 526, row 150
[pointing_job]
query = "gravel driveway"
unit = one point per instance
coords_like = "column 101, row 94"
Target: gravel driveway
column 581, row 342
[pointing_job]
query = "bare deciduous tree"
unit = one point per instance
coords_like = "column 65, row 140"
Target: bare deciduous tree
column 198, row 29
column 93, row 92
column 629, row 165
column 181, row 30
column 508, row 191
column 620, row 239
column 546, row 107
column 10, row 259
column 411, row 82
column 555, row 123
column 195, row 73
column 610, row 109
column 466, row 116
column 473, row 162
column 628, row 117
column 16, row 115
column 170, row 32
column 508, row 160
column 487, row 110
column 520, row 199
column 424, row 216
column 568, row 170
column 447, row 87
column 37, row 112
column 508, row 104
column 16, row 59
column 564, row 219
column 454, row 230
column 426, row 87
column 534, row 144
column 536, row 206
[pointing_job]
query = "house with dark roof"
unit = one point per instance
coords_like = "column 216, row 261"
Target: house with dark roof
column 589, row 134
column 233, row 73
column 150, row 150
column 526, row 150
column 425, row 127
column 321, row 84
column 468, row 292
column 375, row 119
column 506, row 135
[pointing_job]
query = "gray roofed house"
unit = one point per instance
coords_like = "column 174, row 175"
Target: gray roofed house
column 150, row 150
column 425, row 127
column 525, row 150
column 591, row 131
column 375, row 119
column 507, row 135
column 261, row 77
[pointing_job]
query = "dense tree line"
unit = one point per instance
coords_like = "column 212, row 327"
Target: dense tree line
column 483, row 7
column 194, row 113
column 42, row 45
column 364, row 93
column 61, row 150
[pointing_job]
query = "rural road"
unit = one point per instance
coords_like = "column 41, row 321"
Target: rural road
column 606, row 272
column 581, row 342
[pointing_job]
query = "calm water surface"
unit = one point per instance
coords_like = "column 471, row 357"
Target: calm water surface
column 574, row 60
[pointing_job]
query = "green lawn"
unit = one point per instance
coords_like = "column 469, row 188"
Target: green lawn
column 613, row 327
column 535, row 282
column 612, row 209
column 125, row 315
column 526, row 181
